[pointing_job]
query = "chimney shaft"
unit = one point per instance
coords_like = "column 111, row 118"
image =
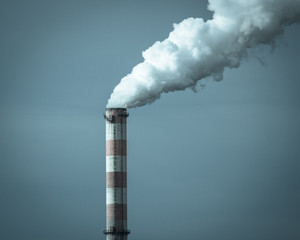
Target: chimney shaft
column 116, row 174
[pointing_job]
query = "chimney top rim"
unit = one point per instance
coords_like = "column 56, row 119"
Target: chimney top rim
column 116, row 108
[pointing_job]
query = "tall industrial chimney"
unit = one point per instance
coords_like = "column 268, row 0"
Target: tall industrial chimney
column 116, row 174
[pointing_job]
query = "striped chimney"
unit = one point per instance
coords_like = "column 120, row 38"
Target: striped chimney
column 116, row 174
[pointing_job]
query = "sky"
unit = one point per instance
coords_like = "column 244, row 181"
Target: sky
column 221, row 163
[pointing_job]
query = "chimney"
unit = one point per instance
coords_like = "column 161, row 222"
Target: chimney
column 116, row 174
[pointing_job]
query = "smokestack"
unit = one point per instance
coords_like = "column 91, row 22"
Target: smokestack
column 116, row 174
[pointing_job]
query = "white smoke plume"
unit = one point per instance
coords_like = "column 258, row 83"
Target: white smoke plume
column 196, row 49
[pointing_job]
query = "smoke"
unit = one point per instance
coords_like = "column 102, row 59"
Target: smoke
column 196, row 49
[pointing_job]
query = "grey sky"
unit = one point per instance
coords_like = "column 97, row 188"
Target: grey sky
column 222, row 163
